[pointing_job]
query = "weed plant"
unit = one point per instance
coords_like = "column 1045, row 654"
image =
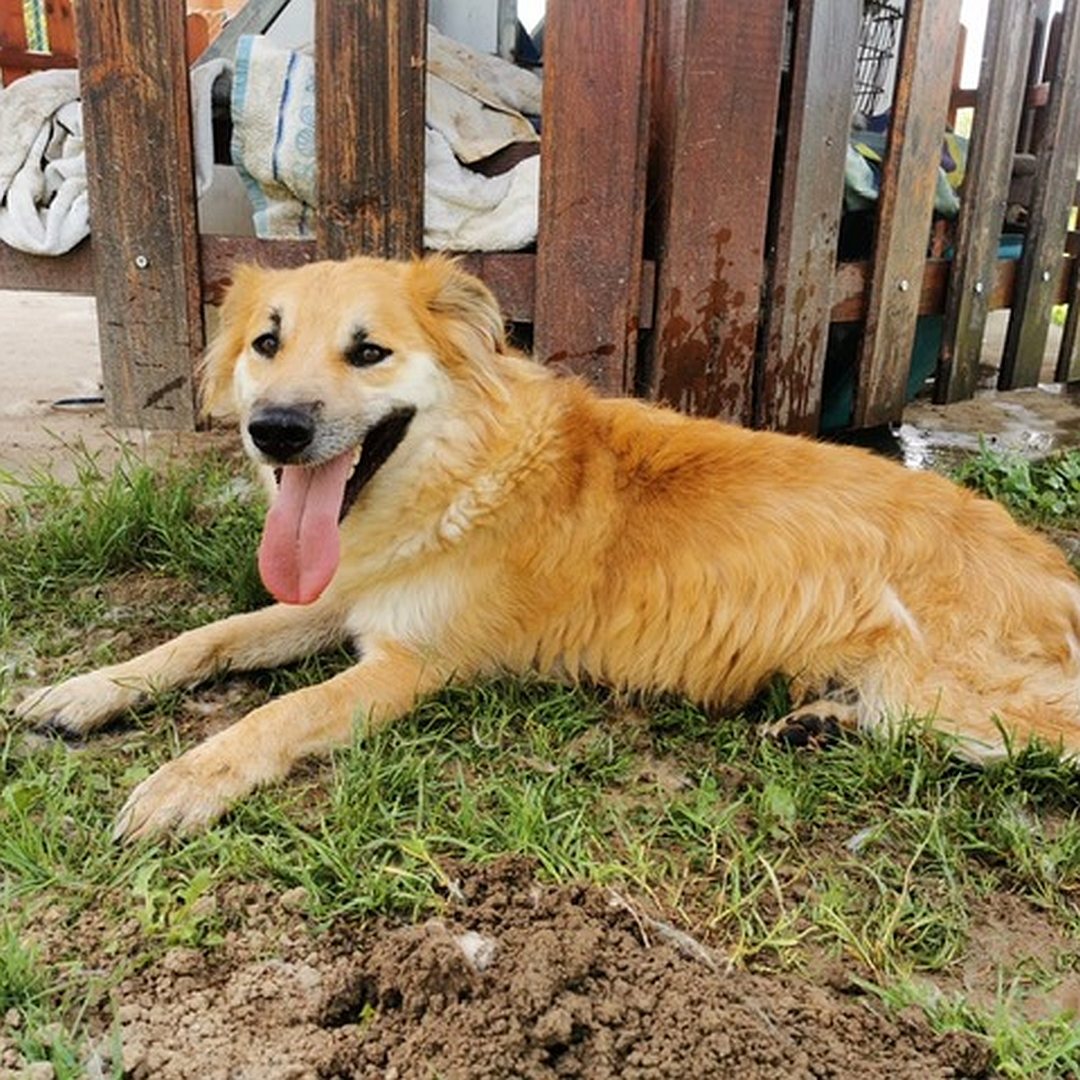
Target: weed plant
column 1041, row 491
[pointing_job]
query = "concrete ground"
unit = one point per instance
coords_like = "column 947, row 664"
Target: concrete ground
column 51, row 414
column 51, row 366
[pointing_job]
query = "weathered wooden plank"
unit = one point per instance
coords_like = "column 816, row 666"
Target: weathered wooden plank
column 369, row 72
column 1065, row 368
column 17, row 62
column 850, row 289
column 852, row 283
column 220, row 255
column 999, row 104
column 905, row 206
column 1067, row 361
column 718, row 72
column 1051, row 59
column 592, row 189
column 60, row 19
column 1048, row 218
column 69, row 273
column 140, row 177
column 511, row 275
column 810, row 197
column 1034, row 76
column 13, row 54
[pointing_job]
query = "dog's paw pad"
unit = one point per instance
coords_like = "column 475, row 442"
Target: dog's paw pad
column 815, row 725
column 807, row 731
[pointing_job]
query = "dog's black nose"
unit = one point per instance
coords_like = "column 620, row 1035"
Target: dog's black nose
column 281, row 433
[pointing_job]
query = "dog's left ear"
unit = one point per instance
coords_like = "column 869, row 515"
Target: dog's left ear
column 451, row 294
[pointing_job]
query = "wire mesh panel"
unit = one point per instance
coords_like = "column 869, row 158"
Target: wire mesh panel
column 878, row 42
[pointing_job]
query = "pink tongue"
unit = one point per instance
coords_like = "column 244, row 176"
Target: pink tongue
column 300, row 546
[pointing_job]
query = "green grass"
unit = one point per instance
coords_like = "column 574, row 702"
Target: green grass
column 877, row 852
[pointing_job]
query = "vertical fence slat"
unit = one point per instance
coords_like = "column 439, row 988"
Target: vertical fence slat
column 1048, row 217
column 909, row 177
column 998, row 107
column 718, row 91
column 1038, row 42
column 13, row 37
column 592, row 188
column 1066, row 360
column 369, row 75
column 810, row 198
column 134, row 84
column 60, row 19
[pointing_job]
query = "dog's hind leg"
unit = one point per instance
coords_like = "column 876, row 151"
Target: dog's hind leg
column 200, row 785
column 266, row 638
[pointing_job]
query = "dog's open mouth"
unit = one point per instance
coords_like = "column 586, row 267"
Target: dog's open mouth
column 379, row 443
column 301, row 547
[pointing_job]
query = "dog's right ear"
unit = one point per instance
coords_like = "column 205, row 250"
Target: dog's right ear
column 215, row 369
column 459, row 300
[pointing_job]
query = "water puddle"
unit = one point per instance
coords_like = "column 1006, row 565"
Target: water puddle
column 1033, row 422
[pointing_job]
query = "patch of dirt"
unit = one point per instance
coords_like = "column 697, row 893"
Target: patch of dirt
column 516, row 979
column 1012, row 942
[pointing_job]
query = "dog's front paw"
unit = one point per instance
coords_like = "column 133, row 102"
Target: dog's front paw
column 181, row 798
column 78, row 705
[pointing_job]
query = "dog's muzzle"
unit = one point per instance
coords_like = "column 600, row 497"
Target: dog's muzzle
column 282, row 433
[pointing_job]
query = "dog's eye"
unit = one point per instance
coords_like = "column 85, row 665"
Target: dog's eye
column 365, row 353
column 267, row 345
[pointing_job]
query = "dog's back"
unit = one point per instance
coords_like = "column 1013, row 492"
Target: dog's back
column 635, row 546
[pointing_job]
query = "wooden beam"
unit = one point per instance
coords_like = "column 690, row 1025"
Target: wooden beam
column 905, row 206
column 592, row 188
column 850, row 296
column 369, row 72
column 140, row 177
column 1066, row 359
column 19, row 62
column 717, row 93
column 1048, row 217
column 1000, row 101
column 808, row 223
column 511, row 275
column 60, row 21
column 72, row 272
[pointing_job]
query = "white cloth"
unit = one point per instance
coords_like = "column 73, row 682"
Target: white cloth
column 476, row 101
column 465, row 211
column 43, row 203
column 202, row 120
column 44, row 207
column 472, row 111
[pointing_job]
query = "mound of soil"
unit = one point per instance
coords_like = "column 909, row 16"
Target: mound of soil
column 516, row 979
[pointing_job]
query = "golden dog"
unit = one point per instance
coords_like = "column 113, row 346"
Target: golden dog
column 457, row 510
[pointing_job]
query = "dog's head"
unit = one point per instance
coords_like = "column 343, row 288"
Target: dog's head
column 327, row 368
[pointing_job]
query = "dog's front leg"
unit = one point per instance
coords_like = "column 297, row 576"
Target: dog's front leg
column 199, row 786
column 259, row 639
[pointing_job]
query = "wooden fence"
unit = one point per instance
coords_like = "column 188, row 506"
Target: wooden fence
column 693, row 241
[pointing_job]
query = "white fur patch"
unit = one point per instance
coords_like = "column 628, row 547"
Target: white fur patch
column 415, row 614
column 901, row 613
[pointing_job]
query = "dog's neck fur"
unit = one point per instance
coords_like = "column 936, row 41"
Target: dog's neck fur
column 452, row 476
